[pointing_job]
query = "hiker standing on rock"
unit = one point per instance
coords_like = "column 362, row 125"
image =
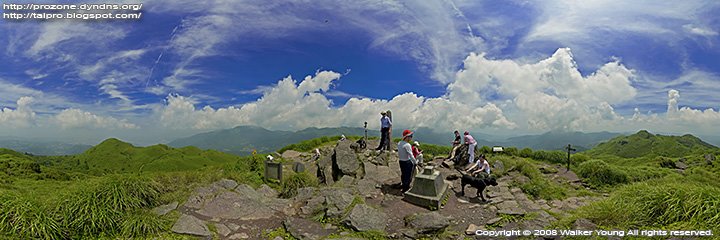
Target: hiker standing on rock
column 385, row 125
column 470, row 141
column 455, row 144
column 389, row 142
column 407, row 160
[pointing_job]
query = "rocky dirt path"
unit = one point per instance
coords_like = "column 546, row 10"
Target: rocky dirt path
column 360, row 194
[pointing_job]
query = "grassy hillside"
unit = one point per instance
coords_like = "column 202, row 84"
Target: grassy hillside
column 644, row 143
column 115, row 156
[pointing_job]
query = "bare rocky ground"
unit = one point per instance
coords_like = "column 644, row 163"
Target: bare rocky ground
column 359, row 193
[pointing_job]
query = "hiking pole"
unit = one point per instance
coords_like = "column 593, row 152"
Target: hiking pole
column 366, row 132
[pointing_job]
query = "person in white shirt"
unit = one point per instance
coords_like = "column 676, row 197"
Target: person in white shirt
column 407, row 160
column 481, row 166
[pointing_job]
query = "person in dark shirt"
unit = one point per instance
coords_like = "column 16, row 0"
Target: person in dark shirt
column 455, row 144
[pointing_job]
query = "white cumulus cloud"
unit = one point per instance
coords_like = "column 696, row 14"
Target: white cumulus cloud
column 76, row 118
column 22, row 116
column 292, row 106
column 549, row 94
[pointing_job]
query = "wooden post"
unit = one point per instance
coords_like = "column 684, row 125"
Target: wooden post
column 569, row 149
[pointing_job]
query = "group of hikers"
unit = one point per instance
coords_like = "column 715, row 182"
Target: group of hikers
column 410, row 155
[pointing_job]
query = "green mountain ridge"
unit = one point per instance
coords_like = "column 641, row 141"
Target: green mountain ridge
column 644, row 143
column 115, row 156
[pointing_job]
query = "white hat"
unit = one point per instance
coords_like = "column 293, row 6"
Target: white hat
column 417, row 143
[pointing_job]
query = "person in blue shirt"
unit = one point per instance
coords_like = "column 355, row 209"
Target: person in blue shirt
column 385, row 125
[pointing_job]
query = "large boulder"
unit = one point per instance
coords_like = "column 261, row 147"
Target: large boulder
column 366, row 218
column 345, row 161
column 324, row 170
column 380, row 174
column 337, row 201
column 187, row 224
column 425, row 223
column 462, row 156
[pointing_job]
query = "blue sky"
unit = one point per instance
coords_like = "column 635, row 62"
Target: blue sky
column 498, row 67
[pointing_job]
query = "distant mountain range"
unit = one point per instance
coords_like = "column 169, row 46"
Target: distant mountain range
column 39, row 147
column 242, row 140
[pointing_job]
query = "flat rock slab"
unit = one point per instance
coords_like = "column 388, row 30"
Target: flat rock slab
column 305, row 229
column 202, row 195
column 226, row 184
column 222, row 229
column 188, row 224
column 291, row 154
column 365, row 218
column 165, row 209
column 427, row 222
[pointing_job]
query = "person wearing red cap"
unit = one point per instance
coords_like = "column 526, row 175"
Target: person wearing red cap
column 407, row 160
column 470, row 141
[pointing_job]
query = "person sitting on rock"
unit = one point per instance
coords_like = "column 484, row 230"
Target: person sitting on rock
column 480, row 167
column 455, row 144
column 417, row 153
column 407, row 160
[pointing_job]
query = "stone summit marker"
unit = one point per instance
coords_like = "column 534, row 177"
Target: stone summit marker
column 273, row 170
column 428, row 190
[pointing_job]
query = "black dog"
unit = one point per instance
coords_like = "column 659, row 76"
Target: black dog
column 479, row 183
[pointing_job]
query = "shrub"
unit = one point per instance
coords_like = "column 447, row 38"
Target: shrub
column 599, row 173
column 579, row 158
column 550, row 156
column 295, row 181
column 526, row 152
column 667, row 163
column 512, row 151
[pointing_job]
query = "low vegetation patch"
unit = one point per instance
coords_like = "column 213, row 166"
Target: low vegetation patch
column 658, row 204
column 295, row 181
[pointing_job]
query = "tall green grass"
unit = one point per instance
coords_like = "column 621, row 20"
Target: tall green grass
column 26, row 218
column 110, row 206
column 600, row 174
column 538, row 187
column 102, row 207
column 664, row 204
